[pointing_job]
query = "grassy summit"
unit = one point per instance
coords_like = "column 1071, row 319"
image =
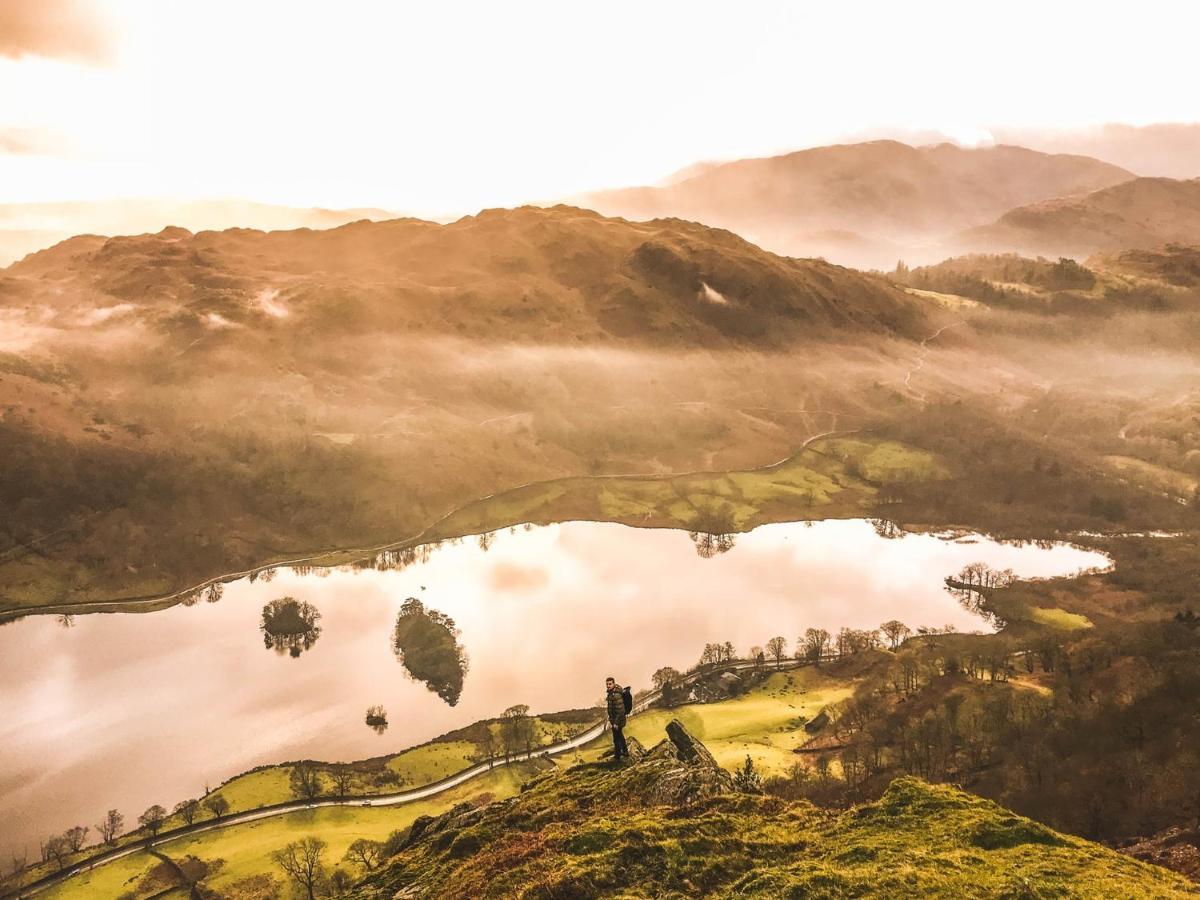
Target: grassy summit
column 672, row 824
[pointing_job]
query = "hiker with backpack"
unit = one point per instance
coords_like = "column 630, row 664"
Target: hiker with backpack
column 620, row 703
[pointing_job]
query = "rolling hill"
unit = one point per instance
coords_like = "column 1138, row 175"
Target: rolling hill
column 524, row 274
column 1139, row 214
column 672, row 824
column 863, row 204
column 209, row 401
column 27, row 227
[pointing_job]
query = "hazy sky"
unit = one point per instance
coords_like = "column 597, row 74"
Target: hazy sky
column 446, row 107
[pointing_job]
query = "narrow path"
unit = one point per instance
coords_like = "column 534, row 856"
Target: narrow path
column 396, row 799
column 361, row 552
column 922, row 355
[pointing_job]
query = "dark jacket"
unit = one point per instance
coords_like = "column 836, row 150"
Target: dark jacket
column 616, row 706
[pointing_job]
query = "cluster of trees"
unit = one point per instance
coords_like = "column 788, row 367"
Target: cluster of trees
column 290, row 626
column 1105, row 743
column 304, row 864
column 517, row 732
column 426, row 642
column 309, row 781
column 58, row 848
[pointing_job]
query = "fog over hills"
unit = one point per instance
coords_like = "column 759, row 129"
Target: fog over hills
column 863, row 204
column 523, row 274
column 1139, row 214
column 27, row 227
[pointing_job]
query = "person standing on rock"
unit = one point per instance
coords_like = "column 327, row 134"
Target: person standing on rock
column 619, row 702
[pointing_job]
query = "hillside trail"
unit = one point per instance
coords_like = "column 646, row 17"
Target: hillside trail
column 922, row 356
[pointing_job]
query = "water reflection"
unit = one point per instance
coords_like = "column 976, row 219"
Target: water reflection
column 290, row 626
column 377, row 719
column 426, row 641
column 709, row 545
column 125, row 711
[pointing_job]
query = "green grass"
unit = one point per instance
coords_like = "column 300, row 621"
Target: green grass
column 811, row 484
column 590, row 831
column 765, row 723
column 886, row 461
column 1059, row 618
column 246, row 849
column 109, row 880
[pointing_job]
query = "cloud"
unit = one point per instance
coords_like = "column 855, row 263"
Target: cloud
column 28, row 141
column 60, row 29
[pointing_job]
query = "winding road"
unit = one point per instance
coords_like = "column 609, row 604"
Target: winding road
column 127, row 603
column 395, row 799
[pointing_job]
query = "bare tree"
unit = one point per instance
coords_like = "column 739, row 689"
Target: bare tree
column 364, row 852
column 343, row 779
column 895, row 631
column 112, row 825
column 759, row 657
column 302, row 862
column 816, row 643
column 305, row 781
column 56, row 848
column 217, row 805
column 187, row 810
column 516, row 729
column 777, row 648
column 485, row 744
column 75, row 837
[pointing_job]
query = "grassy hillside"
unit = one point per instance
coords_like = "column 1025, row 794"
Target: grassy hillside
column 178, row 406
column 1141, row 213
column 672, row 825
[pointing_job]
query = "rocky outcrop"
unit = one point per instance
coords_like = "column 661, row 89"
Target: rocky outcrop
column 680, row 770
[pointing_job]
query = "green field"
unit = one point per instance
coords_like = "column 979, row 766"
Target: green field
column 410, row 768
column 245, row 850
column 829, row 479
column 765, row 723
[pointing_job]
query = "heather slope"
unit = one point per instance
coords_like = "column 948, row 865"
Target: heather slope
column 672, row 824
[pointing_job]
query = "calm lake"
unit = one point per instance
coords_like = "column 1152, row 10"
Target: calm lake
column 127, row 710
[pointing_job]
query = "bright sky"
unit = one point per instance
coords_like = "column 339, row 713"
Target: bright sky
column 447, row 107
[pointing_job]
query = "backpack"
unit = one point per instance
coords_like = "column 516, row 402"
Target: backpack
column 627, row 699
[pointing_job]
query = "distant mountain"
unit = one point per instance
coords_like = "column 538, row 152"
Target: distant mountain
column 861, row 204
column 1175, row 264
column 1139, row 214
column 26, row 227
column 559, row 274
column 1170, row 150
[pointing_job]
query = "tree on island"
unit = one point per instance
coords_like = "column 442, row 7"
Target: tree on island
column 377, row 718
column 290, row 626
